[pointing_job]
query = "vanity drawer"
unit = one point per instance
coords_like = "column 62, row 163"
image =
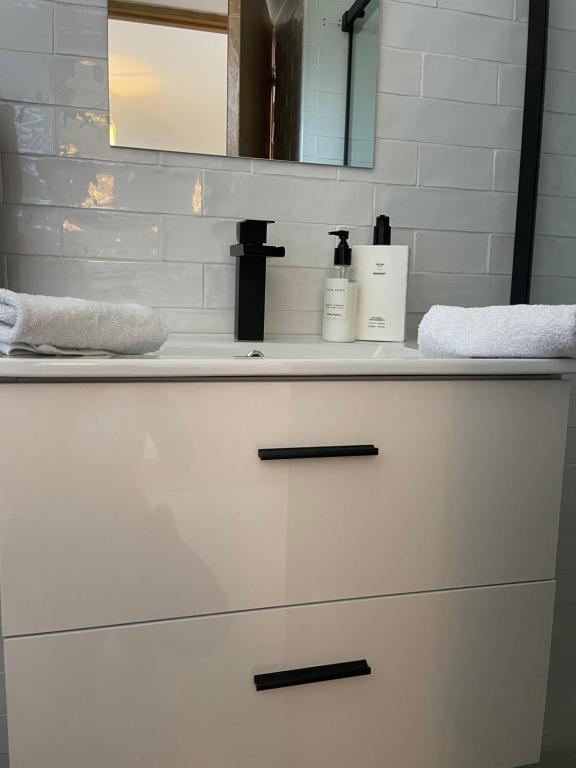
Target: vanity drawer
column 457, row 680
column 128, row 502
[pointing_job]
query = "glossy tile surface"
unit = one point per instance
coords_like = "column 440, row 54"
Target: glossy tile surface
column 199, row 321
column 86, row 184
column 48, row 79
column 416, row 27
column 105, row 235
column 305, row 200
column 295, row 288
column 163, row 285
column 395, row 162
column 498, row 8
column 446, row 77
column 448, row 209
column 199, row 238
column 436, row 251
column 443, row 121
column 501, row 254
column 219, row 286
column 30, row 230
column 86, row 134
column 432, row 55
column 473, row 290
column 27, row 129
column 456, row 167
column 26, row 25
column 179, row 160
column 80, row 31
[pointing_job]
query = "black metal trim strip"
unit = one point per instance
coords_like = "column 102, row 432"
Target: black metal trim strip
column 354, row 12
column 350, row 30
column 534, row 94
column 317, row 452
column 307, row 675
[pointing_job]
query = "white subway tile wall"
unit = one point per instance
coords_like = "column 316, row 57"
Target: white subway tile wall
column 83, row 218
column 459, row 79
column 511, row 83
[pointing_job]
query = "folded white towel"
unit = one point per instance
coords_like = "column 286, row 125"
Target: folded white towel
column 62, row 326
column 520, row 330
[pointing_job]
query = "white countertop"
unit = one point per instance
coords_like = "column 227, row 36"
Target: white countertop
column 209, row 357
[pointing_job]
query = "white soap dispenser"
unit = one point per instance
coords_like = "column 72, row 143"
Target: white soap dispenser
column 340, row 294
column 382, row 271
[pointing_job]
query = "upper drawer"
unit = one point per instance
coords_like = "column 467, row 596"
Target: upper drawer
column 130, row 502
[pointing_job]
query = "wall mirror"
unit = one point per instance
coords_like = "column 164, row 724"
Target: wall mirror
column 278, row 79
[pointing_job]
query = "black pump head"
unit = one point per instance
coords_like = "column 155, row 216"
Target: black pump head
column 342, row 252
column 382, row 231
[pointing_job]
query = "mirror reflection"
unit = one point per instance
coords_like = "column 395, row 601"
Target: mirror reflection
column 278, row 79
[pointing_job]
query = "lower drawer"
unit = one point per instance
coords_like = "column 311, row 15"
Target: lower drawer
column 457, row 681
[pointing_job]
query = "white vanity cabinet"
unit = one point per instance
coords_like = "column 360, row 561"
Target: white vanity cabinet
column 157, row 567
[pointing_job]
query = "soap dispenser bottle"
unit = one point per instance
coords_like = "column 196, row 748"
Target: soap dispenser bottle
column 382, row 271
column 340, row 294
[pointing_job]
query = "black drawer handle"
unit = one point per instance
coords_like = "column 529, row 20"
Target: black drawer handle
column 318, row 452
column 308, row 675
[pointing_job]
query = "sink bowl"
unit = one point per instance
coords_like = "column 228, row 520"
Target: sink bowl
column 286, row 350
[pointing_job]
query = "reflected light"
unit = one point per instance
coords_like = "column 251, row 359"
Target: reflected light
column 69, row 226
column 69, row 149
column 132, row 78
column 112, row 131
column 100, row 192
column 197, row 197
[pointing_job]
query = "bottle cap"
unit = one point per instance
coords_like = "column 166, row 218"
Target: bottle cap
column 342, row 252
column 382, row 231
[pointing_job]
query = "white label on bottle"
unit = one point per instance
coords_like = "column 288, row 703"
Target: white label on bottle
column 375, row 321
column 336, row 299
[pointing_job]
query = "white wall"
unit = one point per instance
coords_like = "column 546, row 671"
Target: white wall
column 168, row 87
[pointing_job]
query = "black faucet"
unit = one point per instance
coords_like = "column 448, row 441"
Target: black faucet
column 251, row 254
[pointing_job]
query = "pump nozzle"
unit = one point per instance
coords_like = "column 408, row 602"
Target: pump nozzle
column 342, row 252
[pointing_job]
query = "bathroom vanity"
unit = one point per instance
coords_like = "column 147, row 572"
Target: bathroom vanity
column 175, row 593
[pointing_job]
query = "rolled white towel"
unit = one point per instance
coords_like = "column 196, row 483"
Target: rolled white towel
column 520, row 330
column 64, row 326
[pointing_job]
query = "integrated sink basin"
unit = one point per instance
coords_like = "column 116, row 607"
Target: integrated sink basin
column 286, row 350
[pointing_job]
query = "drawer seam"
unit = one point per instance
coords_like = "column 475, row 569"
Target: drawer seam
column 287, row 606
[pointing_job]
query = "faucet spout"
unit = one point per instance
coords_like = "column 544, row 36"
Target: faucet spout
column 251, row 253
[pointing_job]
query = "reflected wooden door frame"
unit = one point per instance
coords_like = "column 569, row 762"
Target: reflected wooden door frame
column 161, row 15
